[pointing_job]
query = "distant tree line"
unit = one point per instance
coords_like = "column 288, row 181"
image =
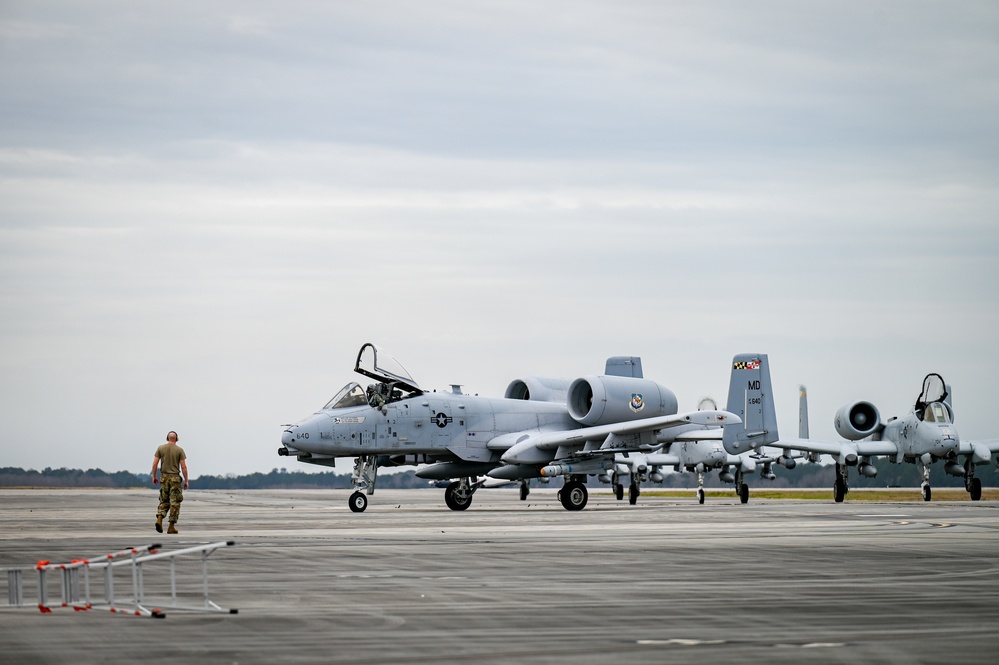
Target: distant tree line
column 803, row 476
column 276, row 479
column 16, row 477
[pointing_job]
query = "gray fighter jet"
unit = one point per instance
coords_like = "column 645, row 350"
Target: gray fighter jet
column 924, row 436
column 542, row 428
column 702, row 450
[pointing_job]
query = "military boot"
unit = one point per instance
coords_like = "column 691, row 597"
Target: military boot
column 172, row 528
column 159, row 524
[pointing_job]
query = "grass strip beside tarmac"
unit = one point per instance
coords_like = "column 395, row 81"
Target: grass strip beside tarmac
column 888, row 494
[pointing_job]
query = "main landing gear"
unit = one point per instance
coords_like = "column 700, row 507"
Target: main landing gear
column 573, row 494
column 971, row 484
column 841, row 487
column 741, row 488
column 363, row 478
column 525, row 489
column 634, row 491
column 458, row 495
column 618, row 486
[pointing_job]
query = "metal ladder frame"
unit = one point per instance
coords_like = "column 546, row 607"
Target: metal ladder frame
column 134, row 558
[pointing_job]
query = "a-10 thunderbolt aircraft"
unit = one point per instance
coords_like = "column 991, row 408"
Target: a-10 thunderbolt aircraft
column 702, row 450
column 923, row 436
column 542, row 428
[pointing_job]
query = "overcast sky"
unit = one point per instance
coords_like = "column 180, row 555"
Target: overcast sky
column 206, row 208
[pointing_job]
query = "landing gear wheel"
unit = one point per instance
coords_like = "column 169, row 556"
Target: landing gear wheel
column 456, row 498
column 357, row 502
column 573, row 496
column 700, row 496
column 839, row 491
column 927, row 493
column 524, row 491
column 619, row 491
column 976, row 489
column 633, row 494
column 744, row 493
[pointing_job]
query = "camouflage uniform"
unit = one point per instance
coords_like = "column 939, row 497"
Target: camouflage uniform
column 171, row 457
column 171, row 494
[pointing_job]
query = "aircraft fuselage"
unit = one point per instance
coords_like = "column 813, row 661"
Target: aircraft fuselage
column 915, row 438
column 431, row 423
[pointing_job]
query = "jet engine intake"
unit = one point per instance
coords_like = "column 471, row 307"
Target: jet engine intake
column 538, row 389
column 602, row 400
column 857, row 421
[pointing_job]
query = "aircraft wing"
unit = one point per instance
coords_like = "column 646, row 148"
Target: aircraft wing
column 980, row 451
column 837, row 448
column 552, row 440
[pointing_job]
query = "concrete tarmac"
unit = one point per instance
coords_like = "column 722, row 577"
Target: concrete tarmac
column 409, row 581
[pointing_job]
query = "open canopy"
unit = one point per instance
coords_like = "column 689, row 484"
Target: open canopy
column 376, row 363
column 934, row 390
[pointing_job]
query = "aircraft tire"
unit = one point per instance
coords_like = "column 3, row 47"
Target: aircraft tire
column 633, row 494
column 839, row 492
column 453, row 501
column 744, row 493
column 976, row 489
column 927, row 493
column 573, row 496
column 700, row 496
column 357, row 502
column 524, row 491
column 619, row 491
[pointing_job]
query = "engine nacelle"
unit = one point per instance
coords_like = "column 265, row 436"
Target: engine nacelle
column 857, row 421
column 601, row 400
column 538, row 389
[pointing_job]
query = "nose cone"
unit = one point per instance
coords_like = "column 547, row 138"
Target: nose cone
column 288, row 436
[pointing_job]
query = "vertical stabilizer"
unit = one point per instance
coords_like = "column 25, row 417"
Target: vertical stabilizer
column 802, row 413
column 803, row 424
column 750, row 397
column 628, row 366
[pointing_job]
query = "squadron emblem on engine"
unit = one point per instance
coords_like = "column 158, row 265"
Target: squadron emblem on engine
column 637, row 402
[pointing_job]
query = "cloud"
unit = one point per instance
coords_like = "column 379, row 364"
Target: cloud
column 204, row 212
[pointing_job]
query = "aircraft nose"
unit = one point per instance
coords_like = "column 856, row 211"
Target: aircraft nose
column 288, row 436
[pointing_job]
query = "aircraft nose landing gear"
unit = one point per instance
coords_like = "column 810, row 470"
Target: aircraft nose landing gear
column 925, row 488
column 363, row 478
column 357, row 502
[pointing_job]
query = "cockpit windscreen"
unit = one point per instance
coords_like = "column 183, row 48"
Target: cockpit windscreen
column 351, row 394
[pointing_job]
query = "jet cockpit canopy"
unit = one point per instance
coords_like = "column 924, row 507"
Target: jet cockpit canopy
column 934, row 391
column 376, row 363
